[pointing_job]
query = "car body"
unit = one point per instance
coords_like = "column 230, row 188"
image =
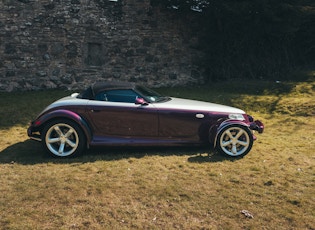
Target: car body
column 122, row 113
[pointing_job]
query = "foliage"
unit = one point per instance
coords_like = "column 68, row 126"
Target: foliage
column 257, row 39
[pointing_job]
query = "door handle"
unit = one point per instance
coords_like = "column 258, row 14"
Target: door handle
column 95, row 110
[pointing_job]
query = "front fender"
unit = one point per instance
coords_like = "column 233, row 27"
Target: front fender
column 40, row 122
column 216, row 129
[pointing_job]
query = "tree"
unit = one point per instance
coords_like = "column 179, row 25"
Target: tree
column 250, row 38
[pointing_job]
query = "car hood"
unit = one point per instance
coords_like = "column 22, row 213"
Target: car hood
column 186, row 104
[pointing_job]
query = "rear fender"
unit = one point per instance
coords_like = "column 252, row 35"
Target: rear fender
column 216, row 129
column 64, row 114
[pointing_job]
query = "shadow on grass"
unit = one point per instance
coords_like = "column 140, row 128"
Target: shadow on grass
column 212, row 157
column 31, row 152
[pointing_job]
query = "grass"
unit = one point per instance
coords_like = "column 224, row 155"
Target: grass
column 166, row 188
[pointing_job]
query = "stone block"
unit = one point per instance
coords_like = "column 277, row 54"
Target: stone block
column 69, row 44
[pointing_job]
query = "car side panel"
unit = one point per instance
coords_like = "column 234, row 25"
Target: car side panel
column 110, row 119
column 182, row 124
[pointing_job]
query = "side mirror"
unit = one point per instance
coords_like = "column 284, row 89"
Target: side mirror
column 140, row 101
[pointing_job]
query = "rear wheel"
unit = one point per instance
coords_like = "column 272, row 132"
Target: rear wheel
column 63, row 138
column 234, row 141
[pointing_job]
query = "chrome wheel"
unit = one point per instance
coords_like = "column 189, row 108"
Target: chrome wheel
column 63, row 139
column 235, row 141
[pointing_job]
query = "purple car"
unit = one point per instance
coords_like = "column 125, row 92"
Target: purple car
column 121, row 114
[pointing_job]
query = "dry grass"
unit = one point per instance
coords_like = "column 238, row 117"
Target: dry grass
column 167, row 188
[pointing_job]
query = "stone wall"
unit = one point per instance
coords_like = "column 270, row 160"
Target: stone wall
column 71, row 43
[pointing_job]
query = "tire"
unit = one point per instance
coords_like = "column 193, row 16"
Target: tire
column 63, row 138
column 234, row 141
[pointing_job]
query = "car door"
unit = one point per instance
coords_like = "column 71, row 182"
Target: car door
column 178, row 121
column 114, row 113
column 181, row 125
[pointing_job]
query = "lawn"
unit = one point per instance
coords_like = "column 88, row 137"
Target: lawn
column 167, row 188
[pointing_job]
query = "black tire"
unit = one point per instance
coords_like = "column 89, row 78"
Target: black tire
column 234, row 141
column 63, row 138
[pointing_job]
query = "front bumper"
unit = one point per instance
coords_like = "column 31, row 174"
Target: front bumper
column 257, row 125
column 33, row 134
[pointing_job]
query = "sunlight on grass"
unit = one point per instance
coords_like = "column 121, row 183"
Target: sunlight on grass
column 296, row 99
column 167, row 188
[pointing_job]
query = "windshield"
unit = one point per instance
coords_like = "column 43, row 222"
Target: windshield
column 150, row 95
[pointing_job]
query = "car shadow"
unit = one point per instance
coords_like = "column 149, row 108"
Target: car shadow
column 211, row 157
column 27, row 152
column 31, row 152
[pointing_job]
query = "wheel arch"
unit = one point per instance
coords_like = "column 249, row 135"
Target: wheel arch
column 67, row 115
column 217, row 128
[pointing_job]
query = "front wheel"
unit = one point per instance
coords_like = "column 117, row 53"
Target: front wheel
column 234, row 141
column 63, row 138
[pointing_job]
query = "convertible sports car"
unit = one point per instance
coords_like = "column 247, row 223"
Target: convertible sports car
column 121, row 113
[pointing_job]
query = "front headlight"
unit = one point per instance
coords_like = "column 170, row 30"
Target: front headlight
column 236, row 116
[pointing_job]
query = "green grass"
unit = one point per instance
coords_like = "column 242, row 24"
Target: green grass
column 166, row 188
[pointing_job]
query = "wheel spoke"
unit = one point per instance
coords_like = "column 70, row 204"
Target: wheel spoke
column 57, row 129
column 229, row 134
column 68, row 134
column 244, row 143
column 54, row 140
column 240, row 133
column 71, row 143
column 61, row 148
column 226, row 143
column 234, row 149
